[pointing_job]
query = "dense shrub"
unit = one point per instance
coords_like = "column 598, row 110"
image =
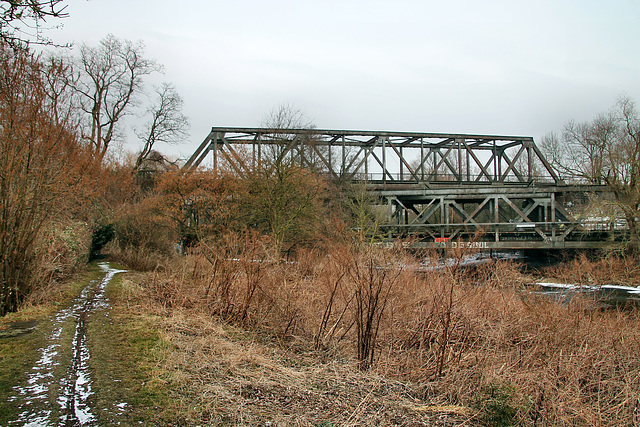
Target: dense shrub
column 142, row 239
column 100, row 237
column 44, row 167
column 61, row 249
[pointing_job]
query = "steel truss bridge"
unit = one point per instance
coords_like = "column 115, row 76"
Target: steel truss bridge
column 445, row 190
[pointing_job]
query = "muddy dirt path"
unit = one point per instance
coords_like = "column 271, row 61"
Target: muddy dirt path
column 58, row 391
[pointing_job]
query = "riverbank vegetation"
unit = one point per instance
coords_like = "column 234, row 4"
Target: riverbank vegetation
column 467, row 340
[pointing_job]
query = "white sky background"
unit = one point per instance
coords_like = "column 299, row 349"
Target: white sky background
column 460, row 66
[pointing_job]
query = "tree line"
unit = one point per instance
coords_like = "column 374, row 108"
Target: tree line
column 604, row 151
column 59, row 117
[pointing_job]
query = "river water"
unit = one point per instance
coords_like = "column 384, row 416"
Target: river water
column 603, row 295
column 58, row 389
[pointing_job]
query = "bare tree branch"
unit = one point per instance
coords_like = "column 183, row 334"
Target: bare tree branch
column 167, row 123
column 21, row 21
column 42, row 164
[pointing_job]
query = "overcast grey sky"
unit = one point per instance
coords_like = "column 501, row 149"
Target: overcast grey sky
column 462, row 66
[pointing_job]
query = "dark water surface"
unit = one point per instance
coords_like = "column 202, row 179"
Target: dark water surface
column 602, row 294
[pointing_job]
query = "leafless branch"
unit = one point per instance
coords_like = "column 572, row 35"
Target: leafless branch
column 111, row 77
column 22, row 21
column 167, row 124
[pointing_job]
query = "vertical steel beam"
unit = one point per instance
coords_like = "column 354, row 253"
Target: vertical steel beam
column 422, row 159
column 215, row 151
column 344, row 157
column 401, row 164
column 459, row 146
column 384, row 160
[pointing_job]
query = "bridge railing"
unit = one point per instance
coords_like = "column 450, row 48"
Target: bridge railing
column 442, row 178
column 581, row 225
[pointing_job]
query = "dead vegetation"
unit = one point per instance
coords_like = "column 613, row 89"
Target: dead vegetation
column 365, row 336
column 229, row 376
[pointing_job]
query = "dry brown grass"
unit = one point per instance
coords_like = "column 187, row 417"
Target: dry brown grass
column 566, row 364
column 450, row 337
column 229, row 377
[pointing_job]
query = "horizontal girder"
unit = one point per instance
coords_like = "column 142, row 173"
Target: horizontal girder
column 381, row 157
column 500, row 218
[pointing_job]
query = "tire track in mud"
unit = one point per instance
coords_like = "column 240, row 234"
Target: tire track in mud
column 69, row 380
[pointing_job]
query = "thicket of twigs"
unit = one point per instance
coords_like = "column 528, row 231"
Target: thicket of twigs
column 45, row 178
column 464, row 336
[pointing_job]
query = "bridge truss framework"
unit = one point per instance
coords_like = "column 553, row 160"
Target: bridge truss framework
column 446, row 190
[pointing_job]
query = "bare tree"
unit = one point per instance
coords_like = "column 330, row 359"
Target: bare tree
column 605, row 151
column 110, row 81
column 280, row 119
column 365, row 216
column 21, row 22
column 286, row 199
column 60, row 84
column 304, row 148
column 623, row 166
column 167, row 124
column 287, row 116
column 580, row 152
